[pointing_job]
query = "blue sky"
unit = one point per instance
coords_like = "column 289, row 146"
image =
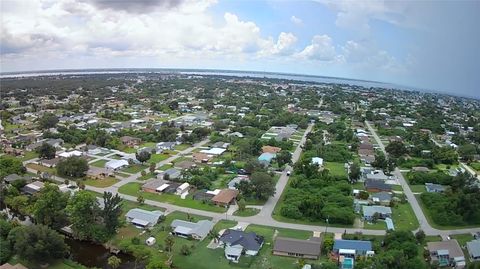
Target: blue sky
column 425, row 44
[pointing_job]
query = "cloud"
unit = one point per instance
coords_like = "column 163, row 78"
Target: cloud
column 137, row 6
column 320, row 49
column 296, row 20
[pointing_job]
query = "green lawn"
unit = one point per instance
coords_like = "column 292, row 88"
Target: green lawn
column 134, row 189
column 182, row 147
column 417, row 188
column 41, row 168
column 147, row 176
column 101, row 183
column 156, row 158
column 59, row 264
column 247, row 212
column 476, row 166
column 135, row 168
column 379, row 225
column 165, row 167
column 433, row 238
column 99, row 163
column 397, row 187
column 462, row 238
column 404, row 218
column 28, row 155
column 336, row 169
column 121, row 174
column 358, row 186
column 148, row 144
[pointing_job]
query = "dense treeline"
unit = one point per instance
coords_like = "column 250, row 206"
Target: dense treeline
column 420, row 178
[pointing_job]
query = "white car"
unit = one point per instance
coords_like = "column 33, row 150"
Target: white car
column 289, row 173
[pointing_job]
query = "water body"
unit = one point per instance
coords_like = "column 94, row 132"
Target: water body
column 93, row 255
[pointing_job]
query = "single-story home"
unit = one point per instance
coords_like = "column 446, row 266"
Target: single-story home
column 270, row 149
column 369, row 212
column 317, row 161
column 225, row 197
column 473, row 248
column 98, row 172
column 373, row 185
column 182, row 188
column 213, row 151
column 73, row 153
column 154, row 185
column 431, row 187
column 172, row 174
column 447, row 253
column 49, row 162
column 377, row 175
column 220, row 144
column 185, row 165
column 193, row 230
column 205, row 195
column 33, row 187
column 352, row 248
column 266, row 158
column 307, row 249
column 421, row 169
column 165, row 146
column 237, row 242
column 130, row 141
column 14, row 177
column 143, row 218
column 200, row 157
column 116, row 164
column 382, row 198
column 233, row 183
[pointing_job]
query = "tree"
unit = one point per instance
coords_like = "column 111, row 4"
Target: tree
column 143, row 156
column 140, row 199
column 420, row 236
column 354, row 172
column 10, row 165
column 152, row 168
column 72, row 167
column 185, row 250
column 114, row 262
column 213, row 234
column 47, row 121
column 169, row 242
column 241, row 204
column 46, row 151
column 284, row 157
column 467, row 151
column 396, row 149
column 262, row 185
column 83, row 211
column 49, row 208
column 328, row 244
column 111, row 211
column 37, row 243
column 380, row 161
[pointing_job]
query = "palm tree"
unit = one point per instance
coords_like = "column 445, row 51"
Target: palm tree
column 169, row 242
column 114, row 262
column 214, row 235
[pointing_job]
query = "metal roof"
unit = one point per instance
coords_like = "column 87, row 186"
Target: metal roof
column 358, row 245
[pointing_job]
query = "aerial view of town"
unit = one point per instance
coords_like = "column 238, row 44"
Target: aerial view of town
column 142, row 167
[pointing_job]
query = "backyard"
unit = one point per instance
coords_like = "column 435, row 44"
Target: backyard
column 101, row 183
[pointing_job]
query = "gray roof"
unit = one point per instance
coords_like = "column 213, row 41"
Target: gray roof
column 290, row 245
column 369, row 211
column 201, row 228
column 382, row 196
column 12, row 177
column 172, row 172
column 377, row 176
column 377, row 184
column 431, row 187
column 249, row 241
column 151, row 217
column 154, row 184
column 474, row 248
column 236, row 180
column 358, row 245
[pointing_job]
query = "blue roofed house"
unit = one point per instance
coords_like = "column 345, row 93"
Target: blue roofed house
column 237, row 243
column 266, row 158
column 431, row 187
column 352, row 248
column 143, row 218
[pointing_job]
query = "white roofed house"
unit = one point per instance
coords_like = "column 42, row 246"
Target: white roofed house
column 193, row 230
column 116, row 164
column 73, row 153
column 143, row 218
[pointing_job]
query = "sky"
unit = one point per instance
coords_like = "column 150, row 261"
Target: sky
column 430, row 45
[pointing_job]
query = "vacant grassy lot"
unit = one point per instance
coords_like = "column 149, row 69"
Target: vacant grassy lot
column 156, row 158
column 41, row 168
column 247, row 212
column 99, row 163
column 336, row 169
column 417, row 188
column 28, row 155
column 404, row 217
column 182, row 147
column 135, row 168
column 101, row 183
column 134, row 189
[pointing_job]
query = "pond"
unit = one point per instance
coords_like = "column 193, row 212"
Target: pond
column 93, row 255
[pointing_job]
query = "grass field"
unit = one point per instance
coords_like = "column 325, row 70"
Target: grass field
column 417, row 188
column 134, row 189
column 41, row 168
column 28, row 155
column 475, row 166
column 336, row 169
column 156, row 158
column 147, row 176
column 247, row 212
column 135, row 168
column 404, row 218
column 99, row 163
column 101, row 183
column 182, row 147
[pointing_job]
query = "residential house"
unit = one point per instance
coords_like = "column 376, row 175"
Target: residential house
column 155, row 185
column 225, row 197
column 238, row 242
column 381, row 198
column 57, row 143
column 473, row 248
column 213, row 151
column 14, row 177
column 370, row 211
column 143, row 218
column 130, row 141
column 49, row 162
column 170, row 174
column 205, row 195
column 220, row 144
column 33, row 187
column 306, row 249
column 352, row 248
column 185, row 165
column 421, row 169
column 317, row 161
column 162, row 146
column 266, row 158
column 68, row 154
column 447, row 253
column 377, row 175
column 200, row 157
column 193, row 230
column 373, row 185
column 115, row 165
column 232, row 184
column 431, row 187
column 98, row 172
column 182, row 189
column 270, row 149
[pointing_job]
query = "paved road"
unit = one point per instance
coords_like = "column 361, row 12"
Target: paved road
column 424, row 225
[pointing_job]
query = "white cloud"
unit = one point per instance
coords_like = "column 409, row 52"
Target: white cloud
column 296, row 20
column 321, row 49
